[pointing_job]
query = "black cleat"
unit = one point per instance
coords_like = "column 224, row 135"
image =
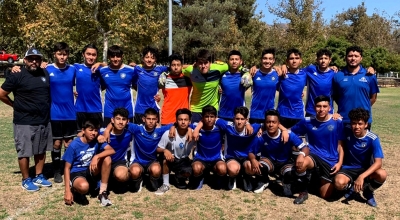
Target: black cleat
column 303, row 196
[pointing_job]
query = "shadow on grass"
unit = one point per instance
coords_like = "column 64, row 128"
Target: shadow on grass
column 47, row 171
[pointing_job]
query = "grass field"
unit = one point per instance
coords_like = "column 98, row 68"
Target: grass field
column 206, row 203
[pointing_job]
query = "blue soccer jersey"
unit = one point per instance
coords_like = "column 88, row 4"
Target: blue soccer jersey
column 290, row 103
column 88, row 86
column 80, row 154
column 360, row 152
column 147, row 87
column 274, row 148
column 120, row 143
column 232, row 94
column 237, row 144
column 62, row 83
column 263, row 93
column 145, row 143
column 118, row 89
column 354, row 91
column 322, row 137
column 209, row 145
column 318, row 83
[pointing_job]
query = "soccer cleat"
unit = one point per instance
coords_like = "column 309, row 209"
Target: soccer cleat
column 57, row 177
column 349, row 194
column 303, row 196
column 261, row 186
column 287, row 190
column 40, row 180
column 231, row 183
column 139, row 185
column 103, row 198
column 247, row 186
column 369, row 196
column 180, row 183
column 28, row 185
column 200, row 184
column 163, row 189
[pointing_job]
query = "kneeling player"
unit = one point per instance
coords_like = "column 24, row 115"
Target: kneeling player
column 176, row 152
column 83, row 165
column 361, row 146
column 275, row 155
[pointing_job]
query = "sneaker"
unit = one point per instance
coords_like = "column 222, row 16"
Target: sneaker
column 287, row 190
column 231, row 183
column 261, row 186
column 80, row 199
column 180, row 183
column 40, row 180
column 103, row 198
column 139, row 185
column 303, row 196
column 349, row 194
column 57, row 177
column 247, row 186
column 163, row 189
column 200, row 184
column 369, row 196
column 28, row 185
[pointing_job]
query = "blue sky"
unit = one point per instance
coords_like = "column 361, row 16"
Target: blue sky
column 332, row 7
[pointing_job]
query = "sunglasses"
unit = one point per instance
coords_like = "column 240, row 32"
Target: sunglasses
column 31, row 59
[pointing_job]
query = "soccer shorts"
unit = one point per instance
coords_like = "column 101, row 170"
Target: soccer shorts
column 63, row 129
column 323, row 168
column 92, row 180
column 352, row 174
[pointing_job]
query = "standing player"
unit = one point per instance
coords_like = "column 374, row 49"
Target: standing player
column 353, row 87
column 31, row 105
column 325, row 140
column 265, row 84
column 358, row 172
column 275, row 156
column 290, row 103
column 176, row 153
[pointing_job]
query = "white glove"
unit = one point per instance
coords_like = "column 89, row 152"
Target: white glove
column 162, row 80
column 246, row 80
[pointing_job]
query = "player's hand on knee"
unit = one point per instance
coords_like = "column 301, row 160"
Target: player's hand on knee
column 168, row 155
column 358, row 184
column 255, row 166
column 93, row 164
column 335, row 168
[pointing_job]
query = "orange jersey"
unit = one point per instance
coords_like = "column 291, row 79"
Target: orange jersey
column 176, row 96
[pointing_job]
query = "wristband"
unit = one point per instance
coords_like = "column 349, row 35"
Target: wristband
column 302, row 153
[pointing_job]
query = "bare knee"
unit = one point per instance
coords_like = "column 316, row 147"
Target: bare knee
column 197, row 168
column 135, row 171
column 121, row 174
column 57, row 144
column 247, row 168
column 220, row 168
column 233, row 168
column 341, row 181
column 155, row 170
column 379, row 175
column 81, row 186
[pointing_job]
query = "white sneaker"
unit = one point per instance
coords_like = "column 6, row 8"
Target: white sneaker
column 163, row 189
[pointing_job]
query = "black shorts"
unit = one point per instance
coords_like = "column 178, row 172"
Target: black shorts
column 323, row 168
column 278, row 168
column 138, row 118
column 107, row 121
column 92, row 180
column 118, row 163
column 180, row 166
column 81, row 118
column 209, row 166
column 63, row 129
column 288, row 122
column 256, row 121
column 352, row 173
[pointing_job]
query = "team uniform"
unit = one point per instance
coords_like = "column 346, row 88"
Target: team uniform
column 322, row 138
column 176, row 96
column 88, row 103
column 205, row 88
column 63, row 114
column 232, row 95
column 318, row 83
column 263, row 94
column 290, row 103
column 147, row 88
column 118, row 83
column 352, row 91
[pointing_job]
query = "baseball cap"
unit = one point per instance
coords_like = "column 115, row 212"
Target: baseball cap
column 33, row 52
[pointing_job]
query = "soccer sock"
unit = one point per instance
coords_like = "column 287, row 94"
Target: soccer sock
column 374, row 185
column 165, row 178
column 302, row 180
column 287, row 176
column 103, row 187
column 55, row 157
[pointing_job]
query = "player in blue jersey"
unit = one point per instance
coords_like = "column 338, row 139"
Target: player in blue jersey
column 290, row 103
column 265, row 84
column 147, row 83
column 232, row 89
column 83, row 165
column 118, row 79
column 353, row 87
column 325, row 139
column 275, row 155
column 359, row 173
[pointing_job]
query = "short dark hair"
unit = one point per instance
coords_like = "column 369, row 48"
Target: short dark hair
column 150, row 111
column 241, row 110
column 359, row 114
column 115, row 51
column 123, row 112
column 322, row 98
column 61, row 46
column 293, row 50
column 325, row 52
column 91, row 123
column 91, row 46
column 203, row 55
column 354, row 48
column 272, row 112
column 268, row 51
column 234, row 52
column 183, row 111
column 208, row 109
column 150, row 50
column 175, row 56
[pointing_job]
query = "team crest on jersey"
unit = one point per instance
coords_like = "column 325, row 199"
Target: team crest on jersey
column 123, row 75
column 155, row 135
column 331, row 127
column 314, row 128
column 51, row 74
column 363, row 144
column 155, row 73
column 181, row 145
column 315, row 73
column 106, row 75
column 345, row 80
column 273, row 78
column 43, row 79
column 265, row 143
column 258, row 78
column 363, row 79
column 287, row 76
column 80, row 70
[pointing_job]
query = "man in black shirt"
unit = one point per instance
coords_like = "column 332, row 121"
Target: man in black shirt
column 31, row 122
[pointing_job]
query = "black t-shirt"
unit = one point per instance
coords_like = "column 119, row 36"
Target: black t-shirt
column 31, row 96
